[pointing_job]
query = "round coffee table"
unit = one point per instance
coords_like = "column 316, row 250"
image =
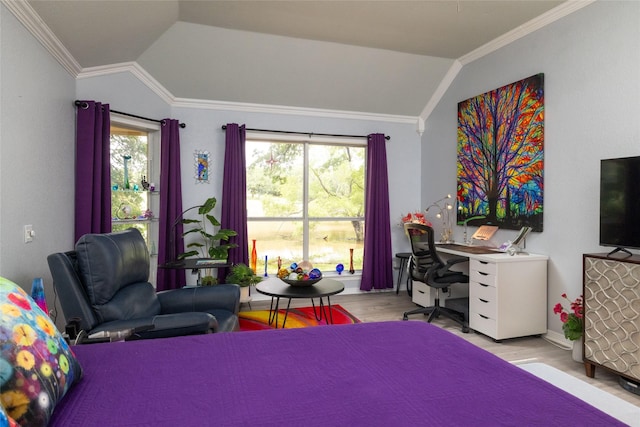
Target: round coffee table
column 276, row 289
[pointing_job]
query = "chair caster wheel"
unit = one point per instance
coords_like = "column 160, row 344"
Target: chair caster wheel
column 405, row 317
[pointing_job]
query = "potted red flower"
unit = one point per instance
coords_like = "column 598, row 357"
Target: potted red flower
column 571, row 318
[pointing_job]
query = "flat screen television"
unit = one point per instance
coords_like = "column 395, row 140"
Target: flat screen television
column 620, row 203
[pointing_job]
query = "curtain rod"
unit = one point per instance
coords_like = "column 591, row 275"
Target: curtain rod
column 307, row 133
column 83, row 104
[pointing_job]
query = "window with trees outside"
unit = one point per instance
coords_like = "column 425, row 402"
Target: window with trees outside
column 305, row 201
column 133, row 200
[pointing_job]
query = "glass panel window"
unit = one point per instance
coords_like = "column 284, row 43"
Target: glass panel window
column 132, row 202
column 305, row 201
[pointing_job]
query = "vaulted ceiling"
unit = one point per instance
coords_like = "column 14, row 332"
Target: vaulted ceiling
column 383, row 57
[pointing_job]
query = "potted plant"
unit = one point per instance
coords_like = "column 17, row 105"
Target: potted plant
column 211, row 244
column 572, row 323
column 242, row 275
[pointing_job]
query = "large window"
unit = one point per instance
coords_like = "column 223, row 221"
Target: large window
column 305, row 201
column 133, row 200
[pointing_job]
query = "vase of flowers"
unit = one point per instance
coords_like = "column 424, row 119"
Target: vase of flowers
column 572, row 319
column 415, row 218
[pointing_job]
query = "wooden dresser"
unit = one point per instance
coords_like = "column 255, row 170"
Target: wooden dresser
column 611, row 289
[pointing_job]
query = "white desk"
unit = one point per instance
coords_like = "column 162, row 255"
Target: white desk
column 507, row 294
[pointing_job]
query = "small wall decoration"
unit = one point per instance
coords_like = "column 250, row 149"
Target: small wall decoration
column 501, row 156
column 202, row 167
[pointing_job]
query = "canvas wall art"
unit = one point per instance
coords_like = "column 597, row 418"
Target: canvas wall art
column 201, row 166
column 500, row 161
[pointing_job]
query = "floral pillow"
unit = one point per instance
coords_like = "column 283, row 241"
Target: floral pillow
column 37, row 366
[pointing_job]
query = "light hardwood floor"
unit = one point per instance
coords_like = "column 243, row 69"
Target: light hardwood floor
column 385, row 306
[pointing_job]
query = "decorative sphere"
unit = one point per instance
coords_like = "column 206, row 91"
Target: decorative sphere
column 305, row 265
column 315, row 274
column 339, row 268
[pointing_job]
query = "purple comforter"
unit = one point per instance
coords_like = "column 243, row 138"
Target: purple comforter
column 368, row 374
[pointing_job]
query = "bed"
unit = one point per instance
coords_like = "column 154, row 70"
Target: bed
column 373, row 374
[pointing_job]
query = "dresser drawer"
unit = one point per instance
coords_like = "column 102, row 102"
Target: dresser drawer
column 485, row 307
column 481, row 277
column 483, row 324
column 483, row 266
column 421, row 294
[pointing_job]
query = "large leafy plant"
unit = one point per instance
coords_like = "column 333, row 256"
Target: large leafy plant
column 212, row 244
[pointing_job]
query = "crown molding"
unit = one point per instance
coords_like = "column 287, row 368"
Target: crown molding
column 136, row 70
column 41, row 31
column 148, row 80
column 288, row 110
column 527, row 28
column 446, row 81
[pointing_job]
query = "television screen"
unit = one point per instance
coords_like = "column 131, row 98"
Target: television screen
column 620, row 202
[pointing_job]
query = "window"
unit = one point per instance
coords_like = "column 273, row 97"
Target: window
column 305, row 201
column 133, row 199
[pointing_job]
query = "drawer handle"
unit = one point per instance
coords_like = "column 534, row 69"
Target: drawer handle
column 483, row 300
column 420, row 292
column 484, row 317
column 483, row 262
column 483, row 274
column 483, row 285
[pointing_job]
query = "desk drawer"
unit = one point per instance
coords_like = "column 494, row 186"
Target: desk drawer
column 483, row 266
column 483, row 291
column 485, row 307
column 421, row 294
column 481, row 277
column 483, row 324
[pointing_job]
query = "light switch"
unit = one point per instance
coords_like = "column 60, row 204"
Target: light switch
column 28, row 233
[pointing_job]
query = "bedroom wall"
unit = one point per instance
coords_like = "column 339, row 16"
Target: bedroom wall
column 125, row 92
column 591, row 62
column 36, row 155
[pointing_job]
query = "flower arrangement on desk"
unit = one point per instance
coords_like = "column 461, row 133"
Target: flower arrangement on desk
column 572, row 318
column 416, row 218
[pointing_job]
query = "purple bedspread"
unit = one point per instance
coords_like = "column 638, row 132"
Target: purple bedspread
column 367, row 374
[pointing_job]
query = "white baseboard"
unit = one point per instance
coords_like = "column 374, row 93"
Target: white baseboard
column 558, row 339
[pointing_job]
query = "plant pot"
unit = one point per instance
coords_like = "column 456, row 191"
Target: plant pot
column 245, row 293
column 576, row 352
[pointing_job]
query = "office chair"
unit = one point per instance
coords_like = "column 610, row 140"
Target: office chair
column 426, row 266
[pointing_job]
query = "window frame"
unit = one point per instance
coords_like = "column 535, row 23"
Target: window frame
column 152, row 130
column 308, row 140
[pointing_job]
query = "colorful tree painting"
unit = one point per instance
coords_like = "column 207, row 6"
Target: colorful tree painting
column 501, row 155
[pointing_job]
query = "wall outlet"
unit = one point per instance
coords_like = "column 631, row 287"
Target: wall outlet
column 28, row 233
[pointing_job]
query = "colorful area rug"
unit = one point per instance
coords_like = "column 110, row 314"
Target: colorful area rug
column 301, row 317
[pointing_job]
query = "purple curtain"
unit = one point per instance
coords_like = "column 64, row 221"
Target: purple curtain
column 377, row 271
column 234, row 195
column 93, row 169
column 170, row 242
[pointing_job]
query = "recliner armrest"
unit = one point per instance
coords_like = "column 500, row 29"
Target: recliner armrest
column 203, row 298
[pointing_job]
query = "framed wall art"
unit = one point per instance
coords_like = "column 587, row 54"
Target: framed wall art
column 201, row 167
column 500, row 156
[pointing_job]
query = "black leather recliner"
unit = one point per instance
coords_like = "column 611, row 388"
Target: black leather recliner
column 104, row 283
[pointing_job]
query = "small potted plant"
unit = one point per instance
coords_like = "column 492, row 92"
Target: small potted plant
column 572, row 323
column 242, row 275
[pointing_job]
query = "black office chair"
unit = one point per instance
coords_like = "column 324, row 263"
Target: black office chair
column 426, row 266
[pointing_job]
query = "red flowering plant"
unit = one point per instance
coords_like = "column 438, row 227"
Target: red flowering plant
column 416, row 218
column 572, row 318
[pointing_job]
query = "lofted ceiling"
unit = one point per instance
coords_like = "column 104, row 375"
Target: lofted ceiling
column 425, row 36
